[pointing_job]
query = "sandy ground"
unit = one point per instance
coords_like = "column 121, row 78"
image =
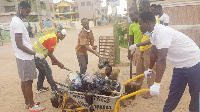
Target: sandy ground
column 11, row 98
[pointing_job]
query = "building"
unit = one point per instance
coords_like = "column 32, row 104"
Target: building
column 104, row 12
column 90, row 9
column 40, row 10
column 66, row 11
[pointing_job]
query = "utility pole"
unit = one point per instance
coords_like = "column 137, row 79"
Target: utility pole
column 115, row 33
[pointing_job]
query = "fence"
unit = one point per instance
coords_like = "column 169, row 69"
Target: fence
column 185, row 17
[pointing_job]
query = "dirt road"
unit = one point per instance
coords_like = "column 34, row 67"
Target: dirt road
column 11, row 98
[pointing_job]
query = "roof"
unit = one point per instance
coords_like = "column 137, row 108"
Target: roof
column 65, row 3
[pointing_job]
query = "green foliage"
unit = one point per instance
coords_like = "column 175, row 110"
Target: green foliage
column 122, row 30
column 9, row 0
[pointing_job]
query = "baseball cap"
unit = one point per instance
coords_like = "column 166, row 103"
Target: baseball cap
column 64, row 32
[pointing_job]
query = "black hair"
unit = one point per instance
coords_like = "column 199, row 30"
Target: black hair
column 84, row 19
column 24, row 5
column 158, row 7
column 153, row 5
column 145, row 3
column 147, row 16
column 109, row 66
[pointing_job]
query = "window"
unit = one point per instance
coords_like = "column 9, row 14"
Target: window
column 88, row 3
column 82, row 3
column 9, row 8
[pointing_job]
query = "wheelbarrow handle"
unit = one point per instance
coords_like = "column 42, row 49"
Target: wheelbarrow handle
column 141, row 75
column 127, row 96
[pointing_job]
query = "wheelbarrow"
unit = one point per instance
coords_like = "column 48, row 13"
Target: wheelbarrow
column 100, row 102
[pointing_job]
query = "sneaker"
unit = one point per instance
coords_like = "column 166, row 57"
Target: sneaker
column 36, row 108
column 43, row 89
column 27, row 106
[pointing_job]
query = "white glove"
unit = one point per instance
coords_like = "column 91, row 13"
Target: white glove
column 148, row 73
column 132, row 47
column 155, row 89
column 38, row 55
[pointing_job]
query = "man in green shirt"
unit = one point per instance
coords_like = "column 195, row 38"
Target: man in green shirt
column 134, row 33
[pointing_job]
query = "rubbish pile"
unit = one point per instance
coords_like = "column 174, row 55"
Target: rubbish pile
column 93, row 83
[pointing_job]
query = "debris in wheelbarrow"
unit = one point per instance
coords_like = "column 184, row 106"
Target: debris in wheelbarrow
column 95, row 84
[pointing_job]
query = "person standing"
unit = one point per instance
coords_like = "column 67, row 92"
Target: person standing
column 144, row 56
column 46, row 46
column 85, row 38
column 182, row 52
column 163, row 17
column 24, row 55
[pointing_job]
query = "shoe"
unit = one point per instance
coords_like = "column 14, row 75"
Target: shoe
column 147, row 96
column 27, row 106
column 43, row 89
column 36, row 108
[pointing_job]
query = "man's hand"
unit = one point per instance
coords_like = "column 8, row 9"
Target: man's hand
column 129, row 56
column 132, row 47
column 96, row 53
column 148, row 73
column 94, row 47
column 61, row 65
column 38, row 55
column 155, row 89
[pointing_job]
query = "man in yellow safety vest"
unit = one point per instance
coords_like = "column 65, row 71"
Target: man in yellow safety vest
column 46, row 46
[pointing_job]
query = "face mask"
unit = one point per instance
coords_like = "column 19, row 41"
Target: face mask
column 88, row 31
column 147, row 34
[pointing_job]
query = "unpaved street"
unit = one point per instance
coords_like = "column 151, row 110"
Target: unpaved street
column 11, row 98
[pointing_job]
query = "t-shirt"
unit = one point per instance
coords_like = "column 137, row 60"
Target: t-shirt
column 17, row 26
column 84, row 38
column 134, row 30
column 145, row 38
column 182, row 51
column 164, row 18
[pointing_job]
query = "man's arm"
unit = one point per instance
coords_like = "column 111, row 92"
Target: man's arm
column 143, row 43
column 54, row 60
column 90, row 50
column 161, row 64
column 18, row 40
column 153, row 56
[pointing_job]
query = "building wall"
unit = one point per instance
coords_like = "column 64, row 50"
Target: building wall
column 5, row 18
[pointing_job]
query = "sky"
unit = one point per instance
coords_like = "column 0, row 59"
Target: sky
column 120, row 9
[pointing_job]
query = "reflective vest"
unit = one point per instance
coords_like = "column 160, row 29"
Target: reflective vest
column 38, row 45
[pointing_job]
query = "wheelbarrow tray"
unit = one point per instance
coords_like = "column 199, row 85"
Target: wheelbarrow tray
column 99, row 101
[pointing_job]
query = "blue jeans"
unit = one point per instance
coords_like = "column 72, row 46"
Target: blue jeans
column 181, row 77
column 44, row 70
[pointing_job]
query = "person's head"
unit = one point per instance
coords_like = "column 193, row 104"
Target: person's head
column 147, row 21
column 144, row 6
column 61, row 34
column 85, row 23
column 24, row 9
column 133, row 14
column 108, row 70
column 153, row 8
column 158, row 9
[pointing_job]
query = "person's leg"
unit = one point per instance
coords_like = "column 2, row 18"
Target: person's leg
column 49, row 75
column 23, row 91
column 150, row 80
column 177, row 87
column 139, row 70
column 82, row 63
column 28, row 92
column 194, row 87
column 41, row 75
